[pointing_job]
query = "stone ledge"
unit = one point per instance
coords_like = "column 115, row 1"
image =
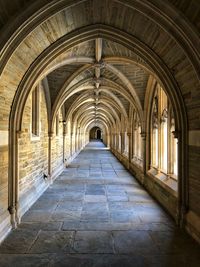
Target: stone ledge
column 164, row 181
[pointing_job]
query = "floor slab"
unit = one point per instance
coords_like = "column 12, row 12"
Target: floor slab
column 96, row 214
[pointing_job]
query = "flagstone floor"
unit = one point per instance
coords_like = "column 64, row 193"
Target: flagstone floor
column 97, row 215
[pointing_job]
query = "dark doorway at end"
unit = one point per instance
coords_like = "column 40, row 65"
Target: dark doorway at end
column 96, row 134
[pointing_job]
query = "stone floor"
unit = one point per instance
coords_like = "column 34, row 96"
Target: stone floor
column 96, row 214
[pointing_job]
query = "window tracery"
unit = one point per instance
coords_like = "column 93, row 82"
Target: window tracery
column 162, row 140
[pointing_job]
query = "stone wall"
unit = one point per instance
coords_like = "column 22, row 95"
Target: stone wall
column 33, row 156
column 163, row 194
column 166, row 38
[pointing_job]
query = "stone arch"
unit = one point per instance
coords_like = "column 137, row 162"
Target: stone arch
column 128, row 41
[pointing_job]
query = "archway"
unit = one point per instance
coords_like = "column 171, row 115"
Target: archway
column 166, row 74
column 95, row 133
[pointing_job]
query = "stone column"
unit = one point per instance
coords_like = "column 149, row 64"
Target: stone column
column 111, row 140
column 71, row 145
column 17, row 216
column 143, row 152
column 129, row 147
column 75, row 142
column 122, row 142
column 182, row 187
column 14, row 191
column 64, row 141
column 50, row 135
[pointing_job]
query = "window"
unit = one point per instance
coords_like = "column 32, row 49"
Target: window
column 35, row 111
column 163, row 142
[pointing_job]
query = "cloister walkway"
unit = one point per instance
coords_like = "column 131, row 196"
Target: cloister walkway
column 96, row 214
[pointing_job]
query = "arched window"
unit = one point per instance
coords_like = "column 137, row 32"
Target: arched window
column 163, row 142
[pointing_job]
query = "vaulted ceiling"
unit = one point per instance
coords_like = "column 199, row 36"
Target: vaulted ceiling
column 107, row 84
column 98, row 56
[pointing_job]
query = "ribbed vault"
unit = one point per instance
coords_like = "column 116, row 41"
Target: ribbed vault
column 98, row 63
column 102, row 87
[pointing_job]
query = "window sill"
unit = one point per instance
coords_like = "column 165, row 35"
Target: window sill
column 35, row 137
column 166, row 181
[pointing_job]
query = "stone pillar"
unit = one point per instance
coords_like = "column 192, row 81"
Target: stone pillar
column 17, row 215
column 75, row 142
column 182, row 186
column 12, row 183
column 12, row 211
column 64, row 141
column 80, row 140
column 12, row 177
column 111, row 140
column 122, row 142
column 143, row 152
column 50, row 135
column 129, row 147
column 71, row 145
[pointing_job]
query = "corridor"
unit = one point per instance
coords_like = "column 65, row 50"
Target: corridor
column 96, row 214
